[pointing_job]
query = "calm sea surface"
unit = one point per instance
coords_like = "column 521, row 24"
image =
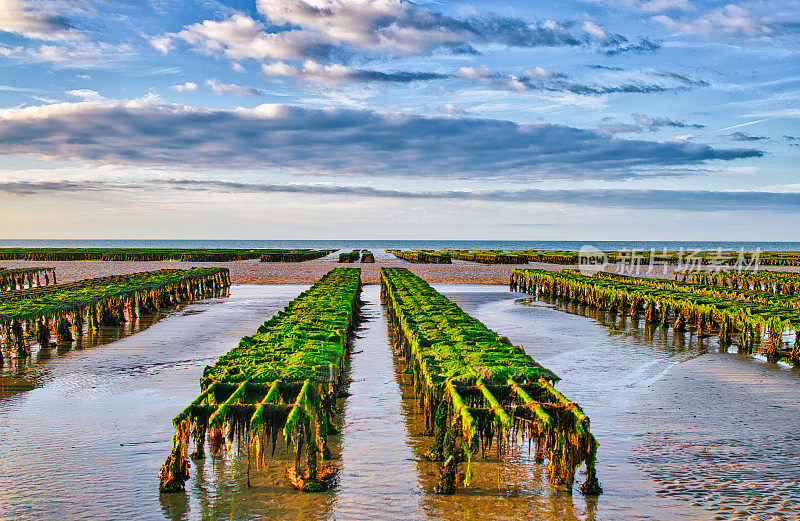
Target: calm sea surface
column 406, row 245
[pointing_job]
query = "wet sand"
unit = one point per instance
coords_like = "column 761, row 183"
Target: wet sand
column 255, row 272
column 686, row 432
column 723, row 434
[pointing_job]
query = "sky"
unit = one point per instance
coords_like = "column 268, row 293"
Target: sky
column 387, row 119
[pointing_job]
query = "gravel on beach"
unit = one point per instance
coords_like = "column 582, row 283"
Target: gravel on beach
column 255, row 272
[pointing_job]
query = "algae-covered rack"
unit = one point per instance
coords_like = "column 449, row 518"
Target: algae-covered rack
column 32, row 313
column 12, row 279
column 474, row 388
column 283, row 380
column 752, row 316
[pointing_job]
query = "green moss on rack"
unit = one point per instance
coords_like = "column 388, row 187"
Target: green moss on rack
column 727, row 311
column 100, row 301
column 282, row 380
column 472, row 386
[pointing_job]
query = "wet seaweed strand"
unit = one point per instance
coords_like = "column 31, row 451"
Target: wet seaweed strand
column 675, row 307
column 779, row 258
column 488, row 256
column 32, row 314
column 349, row 256
column 13, row 279
column 778, row 282
column 422, row 256
column 85, row 284
column 474, row 389
column 283, row 381
column 155, row 254
column 756, row 294
column 673, row 257
column 293, row 255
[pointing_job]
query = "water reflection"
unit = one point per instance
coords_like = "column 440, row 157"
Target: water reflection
column 666, row 341
column 378, row 477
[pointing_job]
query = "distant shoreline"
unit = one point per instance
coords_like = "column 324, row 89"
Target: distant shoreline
column 422, row 244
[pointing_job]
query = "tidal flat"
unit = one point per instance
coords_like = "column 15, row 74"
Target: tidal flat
column 685, row 431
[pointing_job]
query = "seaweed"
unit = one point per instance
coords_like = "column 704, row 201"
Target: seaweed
column 283, row 380
column 292, row 255
column 749, row 312
column 422, row 257
column 475, row 390
column 157, row 254
column 349, row 256
column 13, row 279
column 97, row 302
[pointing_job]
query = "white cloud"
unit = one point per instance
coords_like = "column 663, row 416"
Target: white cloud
column 655, row 123
column 312, row 71
column 279, row 69
column 473, row 73
column 539, row 72
column 404, row 28
column 70, row 54
column 184, row 87
column 316, row 72
column 729, row 20
column 241, row 37
column 451, row 110
column 655, row 6
column 595, row 30
column 20, row 17
column 162, row 44
column 230, row 88
column 331, row 30
column 86, row 94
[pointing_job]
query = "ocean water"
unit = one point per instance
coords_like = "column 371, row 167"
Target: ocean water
column 403, row 245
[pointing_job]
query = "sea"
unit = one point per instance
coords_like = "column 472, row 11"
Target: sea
column 377, row 245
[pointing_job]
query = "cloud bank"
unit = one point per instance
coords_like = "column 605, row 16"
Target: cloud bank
column 336, row 30
column 343, row 141
column 637, row 199
column 535, row 79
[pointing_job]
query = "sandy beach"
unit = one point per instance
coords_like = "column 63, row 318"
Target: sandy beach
column 255, row 272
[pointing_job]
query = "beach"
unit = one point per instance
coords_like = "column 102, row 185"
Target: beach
column 308, row 272
column 255, row 272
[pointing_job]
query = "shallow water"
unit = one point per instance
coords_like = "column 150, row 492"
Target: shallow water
column 23, row 374
column 671, row 414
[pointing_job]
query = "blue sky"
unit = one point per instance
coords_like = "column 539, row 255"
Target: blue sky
column 574, row 120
